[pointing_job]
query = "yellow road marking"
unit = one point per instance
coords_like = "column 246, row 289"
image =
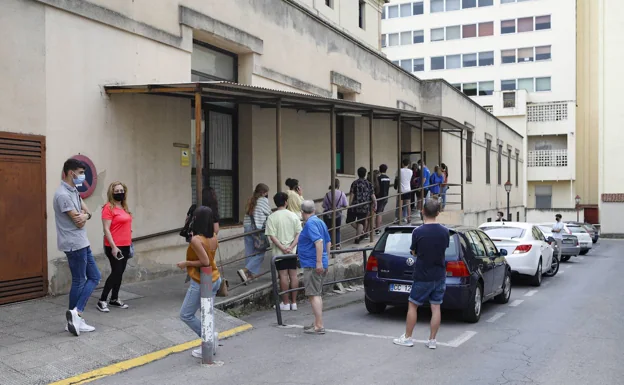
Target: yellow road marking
column 142, row 360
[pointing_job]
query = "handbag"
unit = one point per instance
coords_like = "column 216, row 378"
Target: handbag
column 260, row 240
column 131, row 253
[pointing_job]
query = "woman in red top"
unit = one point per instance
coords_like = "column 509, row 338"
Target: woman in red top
column 117, row 221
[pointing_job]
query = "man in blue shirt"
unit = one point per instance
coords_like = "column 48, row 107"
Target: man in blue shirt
column 425, row 174
column 436, row 179
column 429, row 244
column 314, row 243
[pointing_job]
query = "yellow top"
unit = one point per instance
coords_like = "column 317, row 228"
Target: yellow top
column 194, row 272
column 294, row 202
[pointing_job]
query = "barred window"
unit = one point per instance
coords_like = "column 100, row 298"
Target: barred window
column 547, row 112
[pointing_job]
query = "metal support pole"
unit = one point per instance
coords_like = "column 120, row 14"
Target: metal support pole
column 208, row 335
column 439, row 142
column 422, row 158
column 370, row 151
column 278, row 143
column 198, row 152
column 508, row 206
column 461, row 162
column 332, row 134
column 278, row 311
column 399, row 200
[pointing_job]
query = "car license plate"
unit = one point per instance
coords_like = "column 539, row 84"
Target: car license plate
column 401, row 288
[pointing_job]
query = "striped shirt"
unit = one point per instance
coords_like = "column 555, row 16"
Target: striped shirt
column 261, row 212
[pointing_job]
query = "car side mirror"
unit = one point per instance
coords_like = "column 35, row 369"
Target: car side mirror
column 503, row 252
column 550, row 240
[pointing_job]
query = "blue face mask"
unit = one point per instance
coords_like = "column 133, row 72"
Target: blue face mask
column 78, row 180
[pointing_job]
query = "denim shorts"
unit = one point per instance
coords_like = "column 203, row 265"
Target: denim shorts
column 432, row 292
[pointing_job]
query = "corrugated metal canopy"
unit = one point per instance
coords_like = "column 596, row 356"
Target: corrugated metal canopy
column 221, row 91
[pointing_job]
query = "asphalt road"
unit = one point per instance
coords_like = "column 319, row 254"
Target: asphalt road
column 568, row 331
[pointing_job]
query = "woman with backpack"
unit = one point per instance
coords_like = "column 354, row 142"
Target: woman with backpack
column 256, row 244
column 341, row 202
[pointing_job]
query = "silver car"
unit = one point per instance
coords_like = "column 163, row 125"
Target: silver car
column 570, row 246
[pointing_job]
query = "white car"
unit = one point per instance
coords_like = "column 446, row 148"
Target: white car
column 528, row 252
column 579, row 231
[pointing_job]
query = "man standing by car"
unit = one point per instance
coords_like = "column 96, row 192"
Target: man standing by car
column 557, row 231
column 429, row 243
column 500, row 217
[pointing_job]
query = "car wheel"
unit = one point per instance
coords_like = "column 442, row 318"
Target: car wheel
column 374, row 307
column 554, row 267
column 583, row 252
column 565, row 258
column 536, row 280
column 506, row 294
column 473, row 312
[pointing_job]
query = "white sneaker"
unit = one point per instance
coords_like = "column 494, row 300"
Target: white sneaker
column 84, row 327
column 404, row 341
column 73, row 322
column 197, row 353
column 284, row 306
column 293, row 306
column 431, row 344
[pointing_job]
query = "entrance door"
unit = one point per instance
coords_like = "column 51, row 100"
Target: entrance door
column 591, row 215
column 23, row 251
column 413, row 157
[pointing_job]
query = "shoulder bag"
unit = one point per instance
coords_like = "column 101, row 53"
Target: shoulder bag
column 260, row 240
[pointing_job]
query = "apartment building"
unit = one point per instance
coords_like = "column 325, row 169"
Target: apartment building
column 517, row 59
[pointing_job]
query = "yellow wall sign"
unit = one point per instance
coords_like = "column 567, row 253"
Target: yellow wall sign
column 185, row 159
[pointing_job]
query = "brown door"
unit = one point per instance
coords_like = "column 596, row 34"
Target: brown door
column 23, row 244
column 591, row 215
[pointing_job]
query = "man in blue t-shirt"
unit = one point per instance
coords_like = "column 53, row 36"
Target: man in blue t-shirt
column 314, row 243
column 429, row 244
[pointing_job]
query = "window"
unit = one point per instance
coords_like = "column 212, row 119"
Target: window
column 486, row 29
column 453, row 61
column 509, row 165
column 437, row 63
column 475, row 244
column 526, row 84
column 542, row 84
column 383, row 12
column 453, row 32
column 406, row 64
column 393, row 39
column 509, row 99
column 542, row 53
column 470, row 89
column 508, row 26
column 488, row 150
column 486, row 88
column 340, row 142
column 500, row 162
column 457, row 85
column 469, row 156
column 406, row 9
column 508, row 85
column 419, row 37
column 437, row 6
column 517, row 156
column 329, row 3
column 486, row 58
column 383, row 40
column 486, row 3
column 452, row 5
column 542, row 22
column 525, row 55
column 437, row 34
column 517, row 215
column 508, row 56
column 490, row 248
column 406, row 38
column 419, row 65
column 393, row 11
column 362, row 14
column 470, row 60
column 469, row 30
column 507, row 1
column 525, row 24
column 395, row 62
column 469, row 4
column 543, row 197
column 418, row 8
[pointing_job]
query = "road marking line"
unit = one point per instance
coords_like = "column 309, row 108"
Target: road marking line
column 495, row 317
column 142, row 360
column 531, row 293
column 516, row 302
column 465, row 336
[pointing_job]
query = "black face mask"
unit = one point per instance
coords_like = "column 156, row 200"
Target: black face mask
column 119, row 197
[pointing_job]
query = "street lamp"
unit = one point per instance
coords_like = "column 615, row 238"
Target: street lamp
column 577, row 199
column 508, row 189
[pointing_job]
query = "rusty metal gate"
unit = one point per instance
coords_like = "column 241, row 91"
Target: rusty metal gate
column 23, row 240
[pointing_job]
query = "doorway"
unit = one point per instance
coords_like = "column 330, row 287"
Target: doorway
column 414, row 157
column 23, row 239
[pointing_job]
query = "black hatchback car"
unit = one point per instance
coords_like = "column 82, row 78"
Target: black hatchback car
column 476, row 271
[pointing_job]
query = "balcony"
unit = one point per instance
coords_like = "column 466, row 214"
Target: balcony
column 552, row 118
column 549, row 165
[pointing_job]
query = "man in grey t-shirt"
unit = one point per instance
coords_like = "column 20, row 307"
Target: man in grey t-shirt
column 71, row 214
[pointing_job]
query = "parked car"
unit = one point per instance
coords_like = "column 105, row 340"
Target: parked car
column 594, row 233
column 579, row 231
column 476, row 271
column 528, row 252
column 570, row 246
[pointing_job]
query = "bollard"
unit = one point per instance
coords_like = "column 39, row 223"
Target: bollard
column 207, row 317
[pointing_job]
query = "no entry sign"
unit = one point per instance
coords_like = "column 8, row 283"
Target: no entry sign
column 90, row 182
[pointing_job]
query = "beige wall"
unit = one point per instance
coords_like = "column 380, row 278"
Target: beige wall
column 561, row 194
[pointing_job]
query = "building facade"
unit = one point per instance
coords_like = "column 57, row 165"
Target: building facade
column 59, row 56
column 516, row 58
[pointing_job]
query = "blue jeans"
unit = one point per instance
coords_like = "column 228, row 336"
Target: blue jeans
column 444, row 196
column 254, row 258
column 192, row 303
column 85, row 277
